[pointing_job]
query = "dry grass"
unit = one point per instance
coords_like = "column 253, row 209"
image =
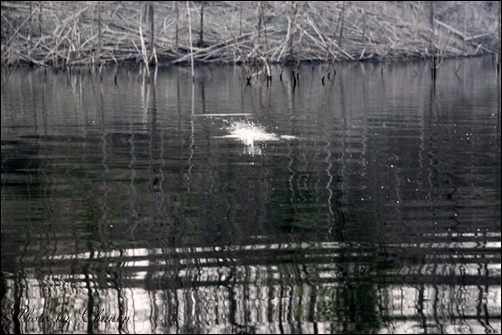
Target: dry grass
column 61, row 34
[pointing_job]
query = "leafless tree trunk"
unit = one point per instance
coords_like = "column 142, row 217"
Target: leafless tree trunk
column 240, row 18
column 433, row 39
column 288, row 55
column 201, row 31
column 152, row 30
column 190, row 38
column 30, row 38
column 177, row 11
column 98, row 53
column 40, row 20
column 261, row 25
column 498, row 66
column 340, row 39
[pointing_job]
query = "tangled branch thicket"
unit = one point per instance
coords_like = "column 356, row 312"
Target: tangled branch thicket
column 67, row 33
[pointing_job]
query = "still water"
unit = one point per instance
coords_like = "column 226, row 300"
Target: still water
column 368, row 204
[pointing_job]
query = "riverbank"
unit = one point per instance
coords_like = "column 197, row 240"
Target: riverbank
column 67, row 34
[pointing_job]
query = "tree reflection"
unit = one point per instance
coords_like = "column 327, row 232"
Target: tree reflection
column 142, row 216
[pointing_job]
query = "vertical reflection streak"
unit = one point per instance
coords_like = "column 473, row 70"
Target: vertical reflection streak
column 132, row 180
column 104, row 162
column 329, row 166
column 117, row 276
column 153, row 316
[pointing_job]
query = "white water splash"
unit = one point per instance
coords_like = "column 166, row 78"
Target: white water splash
column 252, row 135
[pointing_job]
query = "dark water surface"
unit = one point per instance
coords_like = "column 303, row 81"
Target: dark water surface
column 370, row 204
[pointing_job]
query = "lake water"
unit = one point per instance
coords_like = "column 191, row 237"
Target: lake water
column 368, row 204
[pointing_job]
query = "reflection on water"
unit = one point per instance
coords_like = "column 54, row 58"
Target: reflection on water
column 369, row 204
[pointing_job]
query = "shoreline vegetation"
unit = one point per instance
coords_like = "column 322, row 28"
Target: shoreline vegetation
column 66, row 34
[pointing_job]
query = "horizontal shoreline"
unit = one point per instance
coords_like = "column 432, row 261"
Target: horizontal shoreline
column 254, row 34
